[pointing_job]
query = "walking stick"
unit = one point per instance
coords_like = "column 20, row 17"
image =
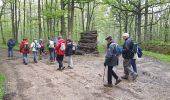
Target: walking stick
column 104, row 73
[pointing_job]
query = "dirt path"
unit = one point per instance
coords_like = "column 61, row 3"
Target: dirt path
column 43, row 82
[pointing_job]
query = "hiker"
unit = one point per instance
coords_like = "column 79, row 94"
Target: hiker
column 35, row 45
column 128, row 56
column 111, row 60
column 69, row 53
column 55, row 42
column 11, row 43
column 24, row 49
column 51, row 49
column 41, row 42
column 60, row 50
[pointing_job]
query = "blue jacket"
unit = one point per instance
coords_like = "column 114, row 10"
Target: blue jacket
column 111, row 58
column 11, row 43
column 127, row 49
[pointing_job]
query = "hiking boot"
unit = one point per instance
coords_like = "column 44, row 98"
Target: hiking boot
column 118, row 81
column 58, row 68
column 108, row 85
column 124, row 77
column 134, row 76
column 70, row 67
column 62, row 68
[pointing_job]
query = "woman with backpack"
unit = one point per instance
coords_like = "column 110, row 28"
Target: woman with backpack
column 35, row 45
column 60, row 51
column 69, row 53
column 24, row 49
column 51, row 49
column 41, row 42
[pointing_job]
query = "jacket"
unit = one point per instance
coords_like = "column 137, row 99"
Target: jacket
column 57, row 47
column 127, row 49
column 22, row 49
column 69, row 49
column 111, row 58
column 11, row 43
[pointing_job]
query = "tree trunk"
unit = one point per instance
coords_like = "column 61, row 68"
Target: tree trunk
column 146, row 22
column 63, row 32
column 39, row 18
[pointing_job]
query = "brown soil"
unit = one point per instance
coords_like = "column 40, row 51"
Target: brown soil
column 42, row 81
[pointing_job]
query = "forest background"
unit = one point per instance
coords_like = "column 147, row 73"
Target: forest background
column 147, row 21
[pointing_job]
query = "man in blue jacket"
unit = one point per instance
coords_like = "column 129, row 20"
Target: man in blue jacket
column 10, row 44
column 111, row 60
column 128, row 55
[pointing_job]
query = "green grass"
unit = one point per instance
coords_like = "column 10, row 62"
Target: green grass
column 2, row 85
column 4, row 46
column 162, row 57
column 101, row 49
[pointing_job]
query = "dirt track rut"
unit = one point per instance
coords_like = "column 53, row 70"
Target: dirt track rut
column 42, row 81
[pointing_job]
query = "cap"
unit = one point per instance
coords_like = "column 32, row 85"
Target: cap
column 125, row 34
column 108, row 37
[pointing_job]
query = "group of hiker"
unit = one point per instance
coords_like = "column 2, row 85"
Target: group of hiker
column 57, row 47
column 129, row 52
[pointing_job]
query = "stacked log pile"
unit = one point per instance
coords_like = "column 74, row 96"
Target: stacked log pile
column 88, row 43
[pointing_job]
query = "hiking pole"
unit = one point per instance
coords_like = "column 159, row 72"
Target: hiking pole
column 104, row 73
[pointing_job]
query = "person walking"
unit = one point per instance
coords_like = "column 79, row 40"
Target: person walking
column 42, row 46
column 111, row 60
column 69, row 53
column 11, row 43
column 25, row 50
column 51, row 49
column 60, row 51
column 35, row 45
column 128, row 55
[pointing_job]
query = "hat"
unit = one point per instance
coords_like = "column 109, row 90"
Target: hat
column 108, row 37
column 125, row 34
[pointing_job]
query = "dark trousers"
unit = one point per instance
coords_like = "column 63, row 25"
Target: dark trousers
column 41, row 51
column 51, row 50
column 10, row 52
column 133, row 63
column 111, row 72
column 59, row 59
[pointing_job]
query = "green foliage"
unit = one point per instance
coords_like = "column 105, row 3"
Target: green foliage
column 162, row 57
column 4, row 46
column 2, row 85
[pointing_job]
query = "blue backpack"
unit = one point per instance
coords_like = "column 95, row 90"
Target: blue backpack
column 139, row 52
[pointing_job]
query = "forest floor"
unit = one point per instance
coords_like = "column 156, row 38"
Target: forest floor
column 42, row 81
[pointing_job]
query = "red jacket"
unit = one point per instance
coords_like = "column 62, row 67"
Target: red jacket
column 22, row 49
column 57, row 47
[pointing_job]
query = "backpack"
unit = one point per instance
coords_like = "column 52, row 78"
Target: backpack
column 134, row 47
column 74, row 49
column 51, row 44
column 139, row 52
column 26, row 46
column 36, row 46
column 62, row 47
column 118, row 50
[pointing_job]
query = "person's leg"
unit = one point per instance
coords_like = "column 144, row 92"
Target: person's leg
column 62, row 58
column 35, row 56
column 125, row 70
column 12, row 52
column 109, row 74
column 59, row 61
column 26, row 58
column 133, row 62
column 8, row 52
column 129, row 69
column 114, row 75
column 23, row 57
